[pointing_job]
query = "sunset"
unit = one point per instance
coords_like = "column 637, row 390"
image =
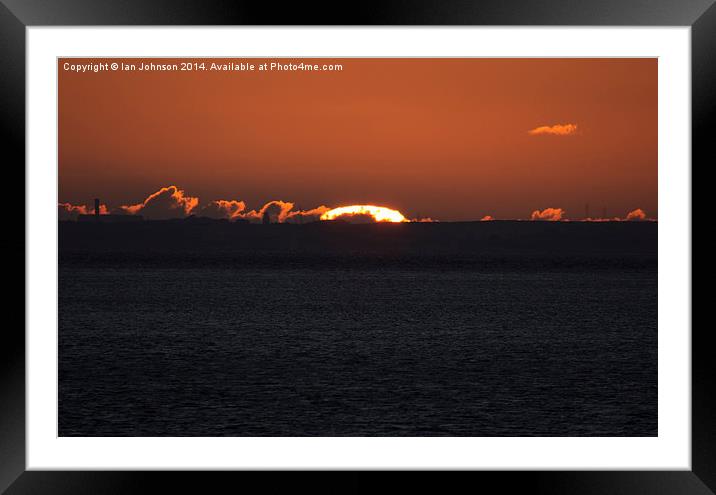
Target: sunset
column 358, row 247
column 377, row 213
column 447, row 139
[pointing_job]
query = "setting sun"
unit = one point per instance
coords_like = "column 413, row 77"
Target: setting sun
column 379, row 213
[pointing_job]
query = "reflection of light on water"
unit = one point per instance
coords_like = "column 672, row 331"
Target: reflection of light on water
column 379, row 213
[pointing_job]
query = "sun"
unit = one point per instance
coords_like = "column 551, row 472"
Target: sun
column 379, row 213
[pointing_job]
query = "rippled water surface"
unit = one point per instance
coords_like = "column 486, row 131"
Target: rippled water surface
column 215, row 351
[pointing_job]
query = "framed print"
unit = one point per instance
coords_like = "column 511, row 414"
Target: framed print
column 453, row 238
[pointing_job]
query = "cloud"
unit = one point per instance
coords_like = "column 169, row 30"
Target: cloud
column 305, row 216
column 554, row 130
column 170, row 202
column 276, row 210
column 67, row 211
column 282, row 212
column 548, row 214
column 167, row 202
column 636, row 215
column 222, row 208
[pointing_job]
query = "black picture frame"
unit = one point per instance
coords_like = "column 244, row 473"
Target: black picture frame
column 17, row 15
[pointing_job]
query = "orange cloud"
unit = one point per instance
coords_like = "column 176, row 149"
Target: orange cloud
column 632, row 216
column 282, row 212
column 222, row 208
column 167, row 202
column 548, row 214
column 171, row 202
column 636, row 215
column 302, row 216
column 67, row 211
column 277, row 212
column 555, row 130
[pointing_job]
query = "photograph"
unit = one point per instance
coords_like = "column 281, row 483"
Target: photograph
column 357, row 247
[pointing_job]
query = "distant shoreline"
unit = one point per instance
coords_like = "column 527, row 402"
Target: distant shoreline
column 208, row 220
column 494, row 245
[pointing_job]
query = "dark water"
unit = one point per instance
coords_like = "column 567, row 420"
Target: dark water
column 367, row 350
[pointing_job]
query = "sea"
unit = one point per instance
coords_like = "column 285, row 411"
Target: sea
column 159, row 341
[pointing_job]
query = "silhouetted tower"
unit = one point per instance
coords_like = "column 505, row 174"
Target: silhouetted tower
column 266, row 218
column 96, row 207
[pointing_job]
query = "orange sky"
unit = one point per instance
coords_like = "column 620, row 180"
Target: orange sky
column 443, row 138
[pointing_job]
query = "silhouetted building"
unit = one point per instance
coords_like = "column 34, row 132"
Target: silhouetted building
column 96, row 216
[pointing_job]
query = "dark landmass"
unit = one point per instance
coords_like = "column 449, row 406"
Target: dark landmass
column 496, row 244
